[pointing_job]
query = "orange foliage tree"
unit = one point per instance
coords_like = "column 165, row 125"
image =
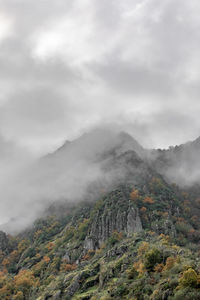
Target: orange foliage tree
column 143, row 210
column 148, row 200
column 169, row 263
column 24, row 280
column 134, row 195
column 66, row 267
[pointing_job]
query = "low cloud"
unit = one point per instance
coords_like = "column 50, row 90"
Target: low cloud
column 29, row 188
column 69, row 66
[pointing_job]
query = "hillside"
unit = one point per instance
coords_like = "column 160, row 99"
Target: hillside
column 134, row 235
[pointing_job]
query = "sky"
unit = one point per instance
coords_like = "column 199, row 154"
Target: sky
column 68, row 66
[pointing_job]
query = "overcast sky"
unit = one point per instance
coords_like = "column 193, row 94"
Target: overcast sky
column 66, row 66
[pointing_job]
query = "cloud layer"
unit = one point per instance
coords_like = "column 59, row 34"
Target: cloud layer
column 66, row 66
column 79, row 171
column 70, row 66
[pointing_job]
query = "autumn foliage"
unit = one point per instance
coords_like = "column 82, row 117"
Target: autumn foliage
column 148, row 200
column 66, row 267
column 134, row 195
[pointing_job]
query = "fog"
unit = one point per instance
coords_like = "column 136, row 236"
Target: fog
column 29, row 187
column 83, row 170
column 180, row 164
column 68, row 67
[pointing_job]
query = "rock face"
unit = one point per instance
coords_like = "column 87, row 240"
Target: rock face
column 117, row 214
column 165, row 226
column 133, row 221
column 3, row 241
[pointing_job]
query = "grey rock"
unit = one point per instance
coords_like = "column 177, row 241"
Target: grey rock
column 89, row 243
column 133, row 221
column 3, row 241
column 74, row 286
column 56, row 296
column 66, row 257
column 118, row 214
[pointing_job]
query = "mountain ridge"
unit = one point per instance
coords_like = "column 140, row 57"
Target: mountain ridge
column 134, row 234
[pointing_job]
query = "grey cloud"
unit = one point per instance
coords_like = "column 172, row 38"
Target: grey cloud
column 64, row 175
column 37, row 117
column 141, row 56
column 168, row 128
column 38, row 107
column 135, row 80
column 134, row 64
column 23, row 67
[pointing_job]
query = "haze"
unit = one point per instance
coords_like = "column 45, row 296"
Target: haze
column 67, row 67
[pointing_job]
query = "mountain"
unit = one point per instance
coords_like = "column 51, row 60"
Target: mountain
column 78, row 170
column 179, row 164
column 122, row 230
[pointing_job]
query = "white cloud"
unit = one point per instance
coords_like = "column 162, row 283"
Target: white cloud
column 6, row 26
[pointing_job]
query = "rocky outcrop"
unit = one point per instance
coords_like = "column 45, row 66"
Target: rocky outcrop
column 74, row 286
column 133, row 221
column 117, row 214
column 165, row 226
column 3, row 241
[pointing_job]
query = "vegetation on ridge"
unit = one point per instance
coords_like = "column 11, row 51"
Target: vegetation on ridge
column 60, row 258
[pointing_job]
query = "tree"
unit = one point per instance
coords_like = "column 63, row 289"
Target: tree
column 152, row 258
column 143, row 248
column 24, row 280
column 143, row 209
column 19, row 296
column 134, row 195
column 148, row 200
column 23, row 245
column 169, row 263
column 189, row 279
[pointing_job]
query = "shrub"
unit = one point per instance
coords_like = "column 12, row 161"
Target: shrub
column 115, row 237
column 152, row 258
column 121, row 290
column 82, row 230
column 158, row 268
column 69, row 234
column 132, row 273
column 139, row 266
column 189, row 279
column 24, row 280
column 183, row 227
column 148, row 200
column 143, row 248
column 107, row 297
column 186, row 294
column 169, row 263
column 68, row 267
column 134, row 195
column 18, row 296
column 88, row 255
column 143, row 209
